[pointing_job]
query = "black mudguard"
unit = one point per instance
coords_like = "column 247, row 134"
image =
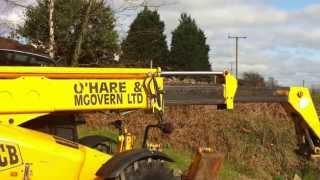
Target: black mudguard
column 113, row 167
column 94, row 140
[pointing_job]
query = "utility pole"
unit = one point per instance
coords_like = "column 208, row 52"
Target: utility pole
column 237, row 40
column 231, row 67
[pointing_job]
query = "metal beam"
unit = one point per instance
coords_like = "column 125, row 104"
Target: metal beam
column 213, row 95
column 186, row 73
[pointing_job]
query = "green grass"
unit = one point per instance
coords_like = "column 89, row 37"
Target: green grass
column 101, row 131
column 234, row 167
column 182, row 159
column 309, row 173
column 228, row 172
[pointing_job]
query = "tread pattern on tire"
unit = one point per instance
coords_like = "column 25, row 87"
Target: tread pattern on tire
column 149, row 169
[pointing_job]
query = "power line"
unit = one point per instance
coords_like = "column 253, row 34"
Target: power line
column 237, row 40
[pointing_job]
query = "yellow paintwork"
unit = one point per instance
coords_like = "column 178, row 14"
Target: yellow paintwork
column 46, row 158
column 126, row 142
column 229, row 90
column 301, row 101
column 155, row 147
column 67, row 72
column 30, row 92
column 155, row 93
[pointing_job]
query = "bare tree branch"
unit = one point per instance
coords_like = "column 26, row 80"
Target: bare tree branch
column 83, row 30
column 16, row 3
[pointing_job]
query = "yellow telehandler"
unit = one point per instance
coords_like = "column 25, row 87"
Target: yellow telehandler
column 37, row 138
column 38, row 115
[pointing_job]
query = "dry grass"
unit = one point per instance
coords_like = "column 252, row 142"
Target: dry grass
column 257, row 139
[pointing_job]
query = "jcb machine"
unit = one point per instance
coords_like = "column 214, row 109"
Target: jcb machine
column 34, row 99
column 37, row 140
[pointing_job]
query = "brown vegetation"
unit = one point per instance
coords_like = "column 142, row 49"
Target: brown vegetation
column 257, row 139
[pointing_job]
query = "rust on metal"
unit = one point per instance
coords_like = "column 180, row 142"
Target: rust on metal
column 205, row 165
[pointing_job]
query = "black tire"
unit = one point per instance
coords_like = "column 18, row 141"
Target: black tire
column 104, row 148
column 147, row 170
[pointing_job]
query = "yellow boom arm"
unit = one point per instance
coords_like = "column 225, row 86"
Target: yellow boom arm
column 29, row 92
column 302, row 110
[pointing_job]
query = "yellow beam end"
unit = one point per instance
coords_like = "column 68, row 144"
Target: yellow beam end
column 229, row 90
column 301, row 101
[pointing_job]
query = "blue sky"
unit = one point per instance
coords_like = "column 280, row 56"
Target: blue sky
column 292, row 4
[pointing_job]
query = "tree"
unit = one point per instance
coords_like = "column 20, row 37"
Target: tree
column 81, row 34
column 51, row 29
column 272, row 82
column 189, row 50
column 145, row 41
column 252, row 79
column 100, row 40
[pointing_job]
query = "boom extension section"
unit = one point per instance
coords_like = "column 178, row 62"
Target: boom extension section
column 220, row 95
column 297, row 101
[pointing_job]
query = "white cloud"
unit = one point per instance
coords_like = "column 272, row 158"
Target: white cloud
column 12, row 15
column 282, row 44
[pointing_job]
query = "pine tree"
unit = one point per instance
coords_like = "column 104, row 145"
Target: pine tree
column 189, row 50
column 146, row 41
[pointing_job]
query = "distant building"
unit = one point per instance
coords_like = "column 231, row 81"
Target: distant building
column 6, row 43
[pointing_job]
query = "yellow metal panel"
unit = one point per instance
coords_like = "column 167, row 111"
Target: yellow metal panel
column 155, row 86
column 301, row 100
column 229, row 90
column 18, row 118
column 39, row 95
column 92, row 162
column 76, row 73
column 40, row 156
